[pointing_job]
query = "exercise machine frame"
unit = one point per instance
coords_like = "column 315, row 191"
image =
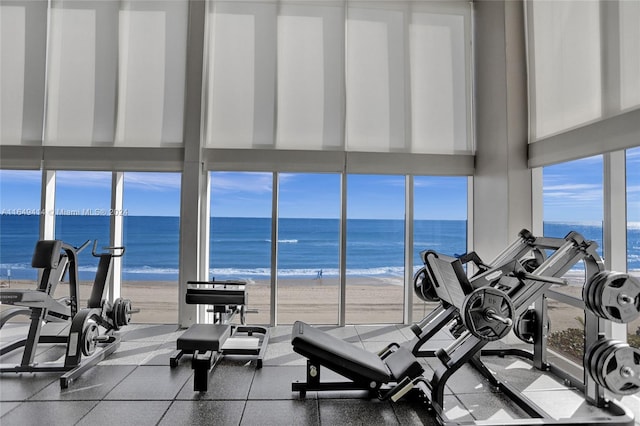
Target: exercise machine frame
column 209, row 343
column 56, row 258
column 535, row 289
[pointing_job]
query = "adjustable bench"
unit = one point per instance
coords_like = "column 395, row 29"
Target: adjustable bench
column 390, row 374
column 208, row 343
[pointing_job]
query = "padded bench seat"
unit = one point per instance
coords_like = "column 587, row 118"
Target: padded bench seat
column 204, row 337
column 350, row 361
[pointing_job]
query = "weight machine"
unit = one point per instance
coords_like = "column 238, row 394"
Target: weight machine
column 56, row 258
column 511, row 289
column 208, row 343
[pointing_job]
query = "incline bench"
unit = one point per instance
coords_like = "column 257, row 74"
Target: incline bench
column 390, row 374
column 208, row 343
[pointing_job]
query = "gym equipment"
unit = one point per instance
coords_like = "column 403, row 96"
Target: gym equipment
column 510, row 290
column 614, row 365
column 423, row 286
column 208, row 343
column 487, row 313
column 56, row 258
column 614, row 296
column 389, row 374
column 526, row 326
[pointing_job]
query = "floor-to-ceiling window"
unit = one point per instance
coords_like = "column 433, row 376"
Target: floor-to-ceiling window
column 308, row 248
column 375, row 249
column 440, row 223
column 240, row 230
column 573, row 201
column 82, row 213
column 633, row 231
column 19, row 226
column 151, row 210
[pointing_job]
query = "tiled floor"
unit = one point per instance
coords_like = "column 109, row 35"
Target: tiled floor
column 136, row 386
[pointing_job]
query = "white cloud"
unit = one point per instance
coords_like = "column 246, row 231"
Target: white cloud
column 20, row 175
column 152, row 181
column 234, row 182
column 83, row 179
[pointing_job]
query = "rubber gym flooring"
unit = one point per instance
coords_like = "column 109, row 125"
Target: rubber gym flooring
column 136, row 386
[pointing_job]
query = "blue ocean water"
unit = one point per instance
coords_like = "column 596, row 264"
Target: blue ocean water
column 240, row 247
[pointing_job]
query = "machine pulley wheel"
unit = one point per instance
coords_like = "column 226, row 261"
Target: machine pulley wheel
column 90, row 335
column 614, row 296
column 616, row 366
column 424, row 287
column 488, row 313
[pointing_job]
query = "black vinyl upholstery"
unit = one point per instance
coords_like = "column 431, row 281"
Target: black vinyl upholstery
column 204, row 337
column 342, row 357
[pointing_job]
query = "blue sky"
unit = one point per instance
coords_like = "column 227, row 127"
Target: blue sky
column 572, row 192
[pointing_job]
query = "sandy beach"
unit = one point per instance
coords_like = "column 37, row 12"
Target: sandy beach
column 370, row 300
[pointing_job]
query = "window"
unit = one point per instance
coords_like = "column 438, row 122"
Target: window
column 375, row 249
column 440, row 223
column 573, row 201
column 308, row 248
column 240, row 241
column 151, row 210
column 83, row 203
column 19, row 226
column 633, row 231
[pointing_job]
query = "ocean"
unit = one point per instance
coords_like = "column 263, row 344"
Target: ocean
column 240, row 247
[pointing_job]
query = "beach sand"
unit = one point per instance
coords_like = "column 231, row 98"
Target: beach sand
column 369, row 301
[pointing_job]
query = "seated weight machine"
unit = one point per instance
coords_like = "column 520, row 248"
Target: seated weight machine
column 511, row 289
column 208, row 343
column 55, row 258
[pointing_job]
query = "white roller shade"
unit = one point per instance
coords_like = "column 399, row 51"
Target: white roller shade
column 151, row 76
column 375, row 80
column 629, row 54
column 240, row 75
column 310, row 79
column 23, row 37
column 567, row 86
column 439, row 101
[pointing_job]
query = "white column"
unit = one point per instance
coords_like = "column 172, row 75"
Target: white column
column 408, row 250
column 48, row 205
column 502, row 181
column 193, row 171
column 342, row 301
column 614, row 229
column 116, row 237
column 274, row 249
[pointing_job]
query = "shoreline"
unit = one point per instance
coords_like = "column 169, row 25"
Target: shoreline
column 369, row 300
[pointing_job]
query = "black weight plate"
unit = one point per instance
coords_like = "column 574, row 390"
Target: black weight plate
column 126, row 307
column 424, row 287
column 616, row 379
column 594, row 290
column 604, row 286
column 474, row 310
column 589, row 290
column 593, row 355
column 617, row 286
column 613, row 345
column 115, row 313
column 522, row 326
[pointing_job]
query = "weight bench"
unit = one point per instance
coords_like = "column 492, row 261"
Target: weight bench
column 208, row 343
column 388, row 375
